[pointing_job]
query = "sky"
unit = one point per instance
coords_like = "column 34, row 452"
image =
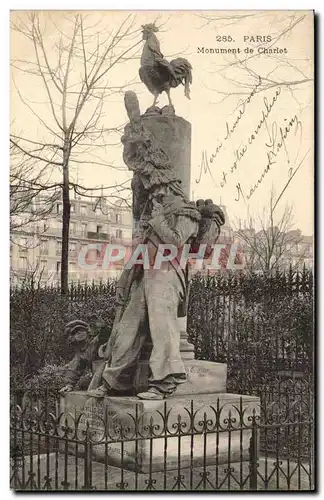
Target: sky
column 246, row 140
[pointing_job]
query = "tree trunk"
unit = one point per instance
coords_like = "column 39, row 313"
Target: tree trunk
column 65, row 225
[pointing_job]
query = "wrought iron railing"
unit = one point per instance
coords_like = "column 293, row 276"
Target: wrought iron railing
column 189, row 446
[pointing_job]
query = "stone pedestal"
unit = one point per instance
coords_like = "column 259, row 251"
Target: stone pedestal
column 173, row 135
column 176, row 433
column 203, row 377
column 187, row 350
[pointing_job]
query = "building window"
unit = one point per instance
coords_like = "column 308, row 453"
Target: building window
column 43, row 265
column 72, row 227
column 83, row 228
column 118, row 218
column 72, row 208
column 83, row 210
column 119, row 234
column 44, row 247
column 23, row 263
column 58, row 247
column 99, row 229
column 58, row 208
column 58, row 267
column 72, row 246
column 92, row 256
column 72, row 269
column 23, row 243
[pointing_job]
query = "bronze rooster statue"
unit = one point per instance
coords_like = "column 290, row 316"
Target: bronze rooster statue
column 157, row 73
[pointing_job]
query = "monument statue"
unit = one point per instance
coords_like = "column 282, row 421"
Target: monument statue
column 150, row 300
column 86, row 341
column 147, row 354
column 152, row 296
column 154, row 302
column 157, row 73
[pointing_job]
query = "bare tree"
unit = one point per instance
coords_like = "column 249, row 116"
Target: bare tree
column 32, row 276
column 74, row 66
column 26, row 186
column 268, row 242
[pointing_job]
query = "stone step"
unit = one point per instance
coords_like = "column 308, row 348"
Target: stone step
column 179, row 432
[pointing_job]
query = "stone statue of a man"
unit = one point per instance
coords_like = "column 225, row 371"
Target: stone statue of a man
column 157, row 296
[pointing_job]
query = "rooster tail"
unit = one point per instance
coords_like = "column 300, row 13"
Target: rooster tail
column 182, row 70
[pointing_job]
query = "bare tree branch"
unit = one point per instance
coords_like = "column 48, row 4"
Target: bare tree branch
column 268, row 242
column 74, row 78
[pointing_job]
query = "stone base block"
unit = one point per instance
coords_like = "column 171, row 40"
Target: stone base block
column 203, row 377
column 179, row 432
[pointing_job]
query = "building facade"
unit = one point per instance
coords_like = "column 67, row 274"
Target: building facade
column 282, row 250
column 96, row 227
column 36, row 247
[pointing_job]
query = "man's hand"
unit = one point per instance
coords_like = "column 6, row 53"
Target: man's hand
column 101, row 350
column 156, row 221
column 66, row 388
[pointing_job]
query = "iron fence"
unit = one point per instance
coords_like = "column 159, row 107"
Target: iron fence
column 252, row 287
column 224, row 443
column 259, row 325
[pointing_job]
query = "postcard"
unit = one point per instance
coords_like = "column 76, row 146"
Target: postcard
column 162, row 250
